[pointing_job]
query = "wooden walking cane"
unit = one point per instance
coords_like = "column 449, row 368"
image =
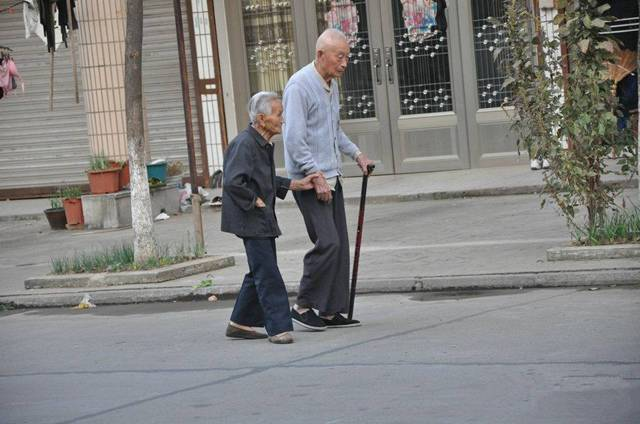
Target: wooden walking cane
column 356, row 254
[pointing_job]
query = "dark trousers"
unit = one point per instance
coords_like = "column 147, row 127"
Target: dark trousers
column 325, row 279
column 262, row 301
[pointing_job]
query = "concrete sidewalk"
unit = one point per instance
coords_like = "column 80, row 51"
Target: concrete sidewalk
column 462, row 242
column 506, row 180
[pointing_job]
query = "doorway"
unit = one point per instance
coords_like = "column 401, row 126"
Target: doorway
column 422, row 91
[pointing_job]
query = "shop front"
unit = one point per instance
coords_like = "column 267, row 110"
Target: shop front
column 422, row 92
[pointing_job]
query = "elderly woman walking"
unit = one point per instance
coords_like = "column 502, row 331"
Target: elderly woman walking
column 248, row 211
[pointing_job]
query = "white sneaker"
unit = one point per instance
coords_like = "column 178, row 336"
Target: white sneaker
column 545, row 164
column 535, row 165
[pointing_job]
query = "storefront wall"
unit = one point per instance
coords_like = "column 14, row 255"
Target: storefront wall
column 415, row 100
column 41, row 150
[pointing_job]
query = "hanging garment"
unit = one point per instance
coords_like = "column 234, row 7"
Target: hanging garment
column 441, row 17
column 8, row 74
column 343, row 16
column 627, row 92
column 32, row 24
column 63, row 16
column 419, row 18
column 48, row 21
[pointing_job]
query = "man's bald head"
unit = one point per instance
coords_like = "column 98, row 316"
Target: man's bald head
column 332, row 54
column 330, row 38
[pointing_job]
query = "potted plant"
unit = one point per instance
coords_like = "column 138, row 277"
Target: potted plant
column 123, row 166
column 124, row 174
column 103, row 176
column 55, row 214
column 72, row 205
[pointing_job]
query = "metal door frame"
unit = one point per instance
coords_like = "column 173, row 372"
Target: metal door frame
column 477, row 117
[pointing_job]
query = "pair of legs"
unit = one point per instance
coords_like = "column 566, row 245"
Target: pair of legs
column 325, row 280
column 262, row 301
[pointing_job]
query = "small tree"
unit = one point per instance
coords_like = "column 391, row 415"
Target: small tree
column 587, row 117
column 145, row 247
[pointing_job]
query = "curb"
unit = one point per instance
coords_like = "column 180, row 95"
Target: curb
column 545, row 279
column 23, row 217
column 577, row 253
column 106, row 279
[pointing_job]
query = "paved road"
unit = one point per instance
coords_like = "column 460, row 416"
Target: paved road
column 541, row 356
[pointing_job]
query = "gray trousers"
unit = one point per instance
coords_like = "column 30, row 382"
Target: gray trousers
column 325, row 279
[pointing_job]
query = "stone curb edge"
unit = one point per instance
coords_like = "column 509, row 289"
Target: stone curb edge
column 171, row 272
column 23, row 217
column 546, row 279
column 574, row 253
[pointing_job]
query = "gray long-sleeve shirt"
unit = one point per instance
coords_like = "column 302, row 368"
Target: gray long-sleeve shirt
column 312, row 135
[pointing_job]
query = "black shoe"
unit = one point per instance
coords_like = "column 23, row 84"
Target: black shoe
column 239, row 333
column 338, row 321
column 308, row 320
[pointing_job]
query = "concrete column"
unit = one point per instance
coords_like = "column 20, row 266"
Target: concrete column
column 102, row 33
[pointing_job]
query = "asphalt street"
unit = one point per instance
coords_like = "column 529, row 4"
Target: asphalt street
column 519, row 356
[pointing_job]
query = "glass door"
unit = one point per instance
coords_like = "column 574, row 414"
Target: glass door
column 401, row 102
column 424, row 85
column 421, row 92
column 490, row 140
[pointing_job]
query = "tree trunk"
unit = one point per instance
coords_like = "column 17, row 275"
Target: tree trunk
column 638, row 129
column 142, row 220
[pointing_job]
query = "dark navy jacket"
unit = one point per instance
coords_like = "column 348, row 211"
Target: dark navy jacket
column 250, row 172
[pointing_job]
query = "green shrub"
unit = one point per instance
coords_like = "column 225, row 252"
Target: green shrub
column 56, row 202
column 71, row 192
column 99, row 162
column 587, row 118
column 121, row 258
column 621, row 226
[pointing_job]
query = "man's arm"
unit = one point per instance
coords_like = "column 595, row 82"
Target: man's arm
column 238, row 167
column 295, row 129
column 347, row 146
column 283, row 185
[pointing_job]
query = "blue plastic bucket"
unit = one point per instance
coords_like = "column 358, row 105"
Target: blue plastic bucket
column 158, row 171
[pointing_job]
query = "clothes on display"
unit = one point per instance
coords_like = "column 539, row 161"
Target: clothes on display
column 9, row 75
column 49, row 19
column 424, row 18
column 627, row 93
column 31, row 15
column 343, row 16
column 441, row 17
column 63, row 16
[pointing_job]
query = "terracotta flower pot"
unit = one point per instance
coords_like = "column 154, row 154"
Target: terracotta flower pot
column 104, row 181
column 124, row 176
column 56, row 217
column 73, row 211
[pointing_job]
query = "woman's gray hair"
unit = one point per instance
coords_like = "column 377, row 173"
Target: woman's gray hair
column 261, row 103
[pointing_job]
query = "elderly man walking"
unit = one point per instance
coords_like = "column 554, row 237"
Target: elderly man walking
column 314, row 142
column 248, row 210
